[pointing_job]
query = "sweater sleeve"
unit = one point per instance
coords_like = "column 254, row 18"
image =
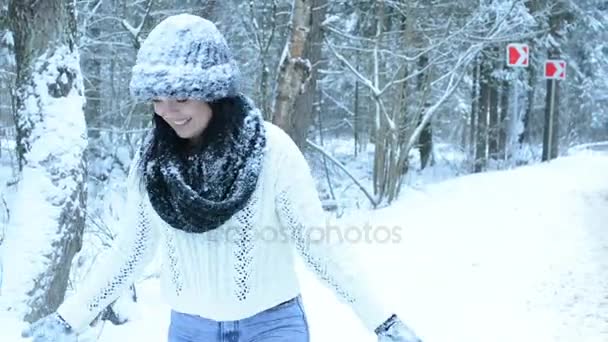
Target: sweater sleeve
column 119, row 266
column 330, row 258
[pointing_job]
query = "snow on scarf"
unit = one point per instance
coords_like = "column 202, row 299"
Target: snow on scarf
column 201, row 191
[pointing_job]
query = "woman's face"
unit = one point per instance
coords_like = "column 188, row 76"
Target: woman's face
column 188, row 118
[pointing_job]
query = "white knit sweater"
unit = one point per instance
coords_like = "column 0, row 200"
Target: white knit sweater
column 239, row 269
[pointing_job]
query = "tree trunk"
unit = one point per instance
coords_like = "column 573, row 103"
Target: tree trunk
column 381, row 133
column 494, row 115
column 207, row 9
column 425, row 140
column 475, row 101
column 295, row 69
column 482, row 117
column 494, row 122
column 264, row 88
column 92, row 67
column 358, row 127
column 426, row 144
column 404, row 117
column 49, row 208
column 303, row 115
column 524, row 136
column 504, row 132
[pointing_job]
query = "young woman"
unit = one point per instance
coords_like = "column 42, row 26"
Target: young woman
column 228, row 196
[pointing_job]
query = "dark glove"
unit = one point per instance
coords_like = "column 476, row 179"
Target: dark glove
column 394, row 330
column 51, row 328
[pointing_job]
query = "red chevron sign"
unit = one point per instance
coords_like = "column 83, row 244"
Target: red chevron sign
column 518, row 55
column 555, row 69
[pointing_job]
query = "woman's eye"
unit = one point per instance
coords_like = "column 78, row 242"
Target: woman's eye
column 155, row 100
column 181, row 100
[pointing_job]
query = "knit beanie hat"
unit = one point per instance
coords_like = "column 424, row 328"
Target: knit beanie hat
column 184, row 57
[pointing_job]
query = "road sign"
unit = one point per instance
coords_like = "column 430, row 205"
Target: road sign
column 555, row 69
column 518, row 55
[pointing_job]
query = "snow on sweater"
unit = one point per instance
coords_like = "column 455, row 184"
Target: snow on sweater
column 239, row 269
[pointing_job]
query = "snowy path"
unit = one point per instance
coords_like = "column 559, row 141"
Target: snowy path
column 585, row 288
column 505, row 256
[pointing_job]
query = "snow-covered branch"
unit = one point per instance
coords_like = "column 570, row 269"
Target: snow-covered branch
column 136, row 31
column 460, row 70
column 373, row 201
column 362, row 78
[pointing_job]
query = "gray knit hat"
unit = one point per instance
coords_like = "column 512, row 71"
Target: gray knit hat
column 184, row 56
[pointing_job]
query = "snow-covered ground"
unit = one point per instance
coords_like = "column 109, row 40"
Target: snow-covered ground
column 518, row 255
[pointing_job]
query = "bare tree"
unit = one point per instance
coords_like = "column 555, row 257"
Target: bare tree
column 136, row 31
column 481, row 126
column 295, row 68
column 266, row 26
column 305, row 107
column 410, row 79
column 51, row 141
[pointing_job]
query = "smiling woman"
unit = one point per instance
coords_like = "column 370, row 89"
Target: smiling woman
column 211, row 165
column 188, row 117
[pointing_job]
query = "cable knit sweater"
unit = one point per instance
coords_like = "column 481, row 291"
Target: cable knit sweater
column 239, row 269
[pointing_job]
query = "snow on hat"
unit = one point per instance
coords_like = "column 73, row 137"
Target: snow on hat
column 184, row 56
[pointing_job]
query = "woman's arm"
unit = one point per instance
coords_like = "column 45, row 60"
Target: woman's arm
column 301, row 212
column 119, row 266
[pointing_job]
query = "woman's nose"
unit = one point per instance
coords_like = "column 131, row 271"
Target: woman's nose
column 166, row 108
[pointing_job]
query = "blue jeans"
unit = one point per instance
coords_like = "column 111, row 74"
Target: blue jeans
column 285, row 322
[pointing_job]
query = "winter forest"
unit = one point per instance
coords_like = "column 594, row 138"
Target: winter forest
column 388, row 100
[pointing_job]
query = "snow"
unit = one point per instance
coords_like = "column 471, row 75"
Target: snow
column 330, row 20
column 505, row 256
column 600, row 147
column 205, row 76
column 501, row 256
column 8, row 39
column 516, row 255
column 10, row 328
column 7, row 42
column 57, row 139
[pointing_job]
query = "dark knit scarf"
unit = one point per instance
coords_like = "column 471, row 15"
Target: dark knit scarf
column 200, row 190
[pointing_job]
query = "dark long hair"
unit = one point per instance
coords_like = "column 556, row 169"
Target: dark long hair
column 228, row 115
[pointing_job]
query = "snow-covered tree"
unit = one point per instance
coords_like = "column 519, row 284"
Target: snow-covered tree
column 295, row 69
column 48, row 212
column 411, row 70
column 586, row 89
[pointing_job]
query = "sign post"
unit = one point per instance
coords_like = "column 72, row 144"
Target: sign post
column 518, row 56
column 555, row 70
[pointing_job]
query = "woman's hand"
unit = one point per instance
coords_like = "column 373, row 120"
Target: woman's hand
column 394, row 330
column 51, row 328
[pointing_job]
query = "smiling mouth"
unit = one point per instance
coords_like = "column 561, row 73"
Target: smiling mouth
column 181, row 122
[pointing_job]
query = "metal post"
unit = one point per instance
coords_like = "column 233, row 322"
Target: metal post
column 551, row 113
column 515, row 117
